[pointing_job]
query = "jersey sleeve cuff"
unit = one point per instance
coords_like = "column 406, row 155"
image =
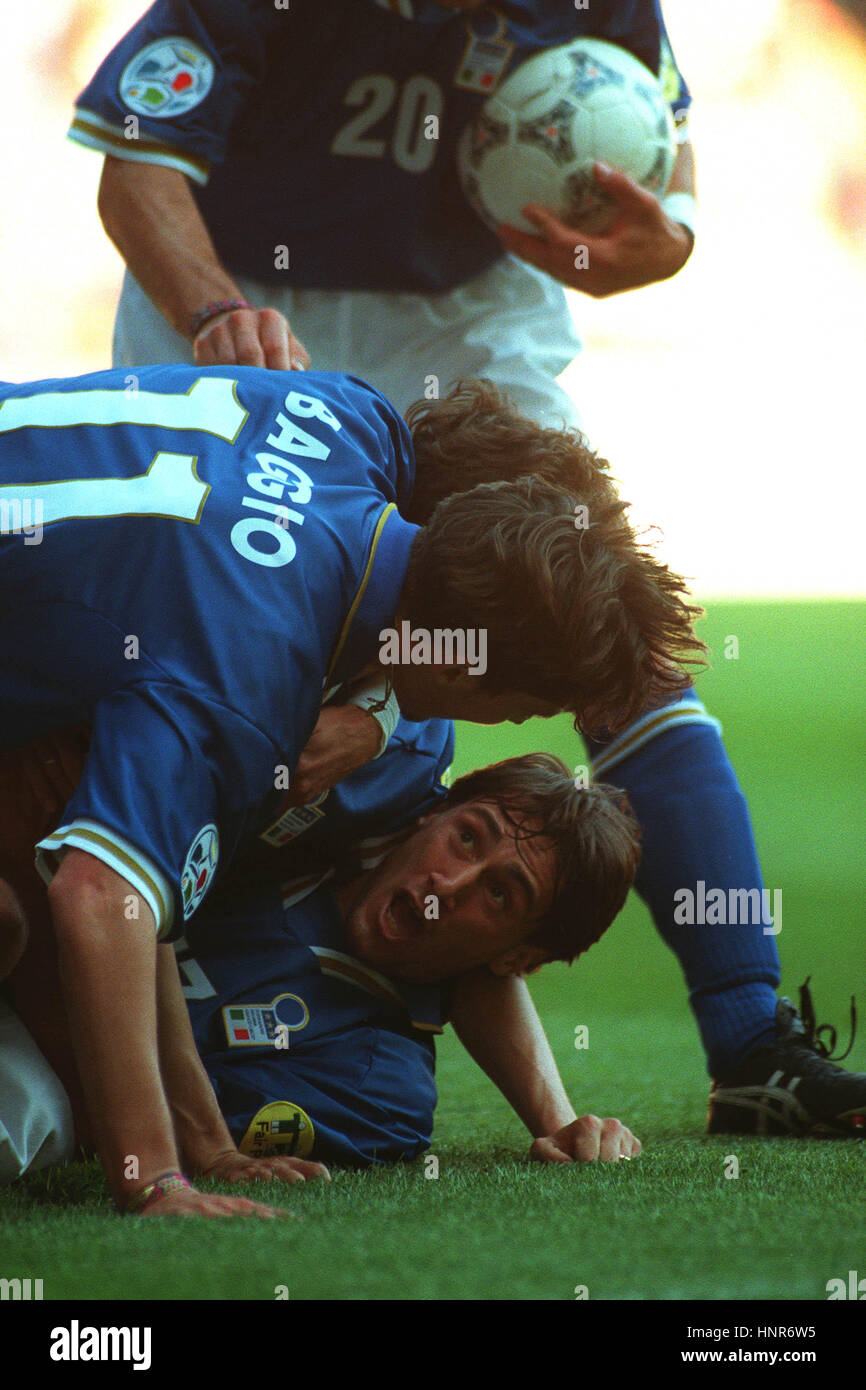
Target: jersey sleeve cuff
column 115, row 851
column 94, row 133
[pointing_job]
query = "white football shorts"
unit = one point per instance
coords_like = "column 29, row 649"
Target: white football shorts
column 511, row 324
column 36, row 1129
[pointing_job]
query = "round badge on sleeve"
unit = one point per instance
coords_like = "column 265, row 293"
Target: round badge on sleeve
column 199, row 869
column 167, row 78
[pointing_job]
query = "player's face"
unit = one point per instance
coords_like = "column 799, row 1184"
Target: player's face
column 458, row 893
column 428, row 692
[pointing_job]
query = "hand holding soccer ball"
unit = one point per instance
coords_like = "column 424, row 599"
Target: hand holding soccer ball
column 639, row 246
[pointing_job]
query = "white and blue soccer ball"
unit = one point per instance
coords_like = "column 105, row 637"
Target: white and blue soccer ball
column 536, row 138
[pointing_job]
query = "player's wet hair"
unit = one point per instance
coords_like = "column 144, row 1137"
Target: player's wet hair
column 577, row 612
column 475, row 434
column 594, row 833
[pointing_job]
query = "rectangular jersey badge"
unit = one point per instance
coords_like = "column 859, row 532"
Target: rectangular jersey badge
column 249, row 1025
column 483, row 63
column 293, row 822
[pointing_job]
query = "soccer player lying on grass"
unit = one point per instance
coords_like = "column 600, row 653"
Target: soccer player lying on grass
column 313, row 1012
column 220, row 548
column 515, row 868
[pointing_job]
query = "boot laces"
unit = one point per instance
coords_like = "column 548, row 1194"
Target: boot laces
column 813, row 1033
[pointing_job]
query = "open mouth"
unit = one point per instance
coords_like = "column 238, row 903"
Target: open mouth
column 402, row 918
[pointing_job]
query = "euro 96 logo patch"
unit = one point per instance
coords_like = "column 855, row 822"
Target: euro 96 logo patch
column 167, row 78
column 199, row 869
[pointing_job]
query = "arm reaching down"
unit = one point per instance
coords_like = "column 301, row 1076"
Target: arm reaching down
column 108, row 969
column 496, row 1020
column 151, row 216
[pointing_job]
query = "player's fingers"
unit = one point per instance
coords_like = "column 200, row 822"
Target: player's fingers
column 243, row 1206
column 298, row 1170
column 586, row 1138
column 257, row 1170
column 610, row 1146
column 307, row 781
column 554, row 232
column 230, row 341
column 530, row 248
column 628, row 195
column 548, row 1151
column 243, row 328
column 630, row 1145
column 275, row 339
column 300, row 358
column 271, row 1170
column 210, row 346
column 283, row 351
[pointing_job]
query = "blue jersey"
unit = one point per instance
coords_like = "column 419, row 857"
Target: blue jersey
column 204, row 535
column 306, row 129
column 309, row 1051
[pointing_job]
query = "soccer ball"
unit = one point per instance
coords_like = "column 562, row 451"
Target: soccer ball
column 536, row 138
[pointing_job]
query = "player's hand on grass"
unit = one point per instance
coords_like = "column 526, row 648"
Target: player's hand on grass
column 587, row 1140
column 640, row 245
column 189, row 1202
column 250, row 338
column 234, row 1166
column 344, row 739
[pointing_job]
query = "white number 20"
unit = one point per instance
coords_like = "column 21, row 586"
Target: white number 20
column 419, row 99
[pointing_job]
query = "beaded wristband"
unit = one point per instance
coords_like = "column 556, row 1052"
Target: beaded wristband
column 160, row 1187
column 210, row 311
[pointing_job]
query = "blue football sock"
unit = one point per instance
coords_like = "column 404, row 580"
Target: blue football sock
column 697, row 837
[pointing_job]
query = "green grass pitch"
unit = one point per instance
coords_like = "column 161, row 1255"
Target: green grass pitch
column 491, row 1226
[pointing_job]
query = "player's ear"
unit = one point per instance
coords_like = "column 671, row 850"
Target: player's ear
column 521, row 960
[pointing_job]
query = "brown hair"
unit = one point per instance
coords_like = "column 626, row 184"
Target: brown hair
column 594, row 834
column 476, row 435
column 577, row 615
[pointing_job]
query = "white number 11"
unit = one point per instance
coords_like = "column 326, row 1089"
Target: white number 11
column 169, row 488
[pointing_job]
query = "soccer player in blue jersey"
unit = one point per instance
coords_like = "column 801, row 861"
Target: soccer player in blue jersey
column 199, row 556
column 329, row 1003
column 270, row 184
column 313, row 1004
column 302, row 161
